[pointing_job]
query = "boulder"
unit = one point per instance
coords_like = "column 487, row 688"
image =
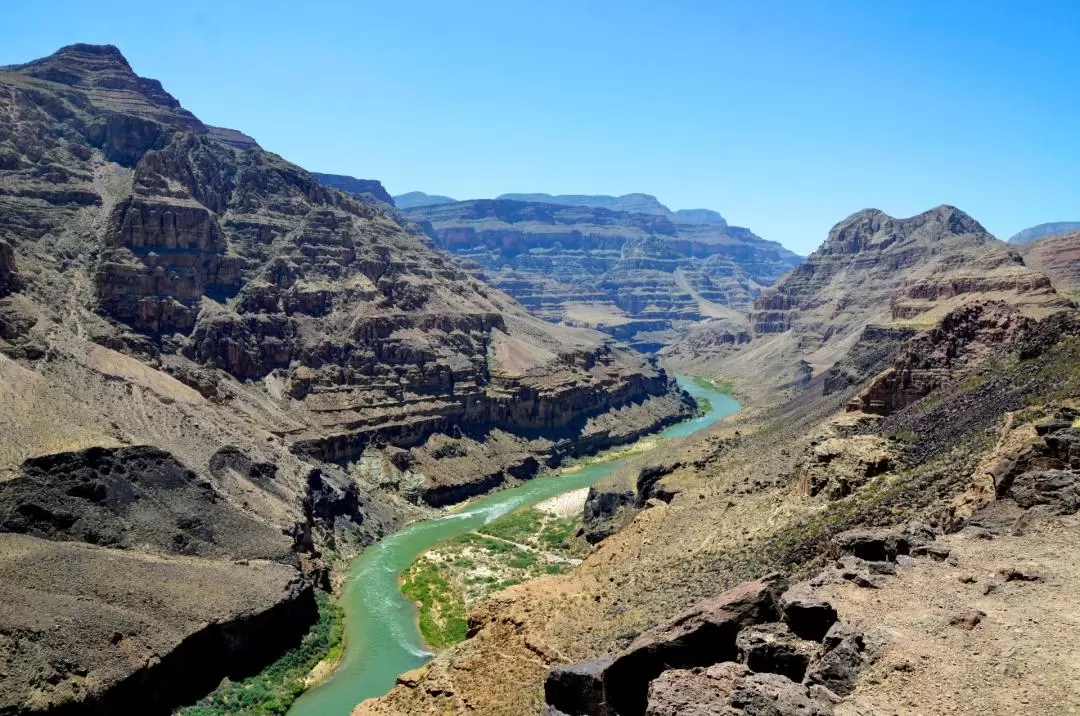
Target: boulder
column 1052, row 425
column 730, row 689
column 1065, row 446
column 706, row 634
column 837, row 665
column 874, row 545
column 967, row 619
column 807, row 615
column 1057, row 489
column 577, row 689
column 933, row 550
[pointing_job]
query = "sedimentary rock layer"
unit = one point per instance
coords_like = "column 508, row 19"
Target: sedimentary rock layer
column 622, row 272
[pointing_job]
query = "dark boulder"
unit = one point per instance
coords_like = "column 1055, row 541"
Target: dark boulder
column 967, row 619
column 577, row 689
column 772, row 648
column 838, row 664
column 1057, row 489
column 1052, row 425
column 875, row 545
column 807, row 615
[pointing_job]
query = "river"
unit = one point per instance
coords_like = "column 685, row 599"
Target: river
column 381, row 637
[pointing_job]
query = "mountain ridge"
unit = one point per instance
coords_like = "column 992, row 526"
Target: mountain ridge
column 872, row 269
column 1049, row 229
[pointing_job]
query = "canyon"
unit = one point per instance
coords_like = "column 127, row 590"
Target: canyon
column 231, row 388
column 899, row 380
column 210, row 363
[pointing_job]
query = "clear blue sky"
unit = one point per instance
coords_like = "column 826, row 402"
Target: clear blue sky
column 784, row 116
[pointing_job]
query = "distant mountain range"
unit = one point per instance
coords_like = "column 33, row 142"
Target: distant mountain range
column 1051, row 229
column 419, row 198
column 640, row 276
column 630, row 203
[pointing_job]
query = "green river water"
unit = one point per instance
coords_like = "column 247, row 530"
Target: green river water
column 381, row 636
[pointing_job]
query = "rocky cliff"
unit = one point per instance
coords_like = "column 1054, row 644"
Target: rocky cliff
column 633, row 275
column 199, row 346
column 872, row 269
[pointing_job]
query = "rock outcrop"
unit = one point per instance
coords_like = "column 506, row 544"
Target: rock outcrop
column 733, row 653
column 142, row 633
column 963, row 338
column 132, row 498
column 9, row 279
column 633, row 274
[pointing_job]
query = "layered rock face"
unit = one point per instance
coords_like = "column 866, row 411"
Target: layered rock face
column 966, row 336
column 195, row 336
column 877, row 270
column 1057, row 256
column 633, row 275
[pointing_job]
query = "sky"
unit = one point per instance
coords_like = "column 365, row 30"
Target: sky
column 785, row 117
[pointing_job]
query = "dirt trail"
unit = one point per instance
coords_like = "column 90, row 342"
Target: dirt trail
column 544, row 553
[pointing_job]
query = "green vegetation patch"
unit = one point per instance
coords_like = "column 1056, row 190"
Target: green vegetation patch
column 702, row 407
column 715, row 383
column 272, row 691
column 448, row 579
column 442, row 611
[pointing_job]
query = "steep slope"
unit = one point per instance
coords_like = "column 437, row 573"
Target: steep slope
column 1057, row 256
column 1051, row 229
column 633, row 275
column 200, row 338
column 872, row 270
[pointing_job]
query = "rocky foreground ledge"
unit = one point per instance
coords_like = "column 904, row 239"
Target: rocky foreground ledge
column 761, row 648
